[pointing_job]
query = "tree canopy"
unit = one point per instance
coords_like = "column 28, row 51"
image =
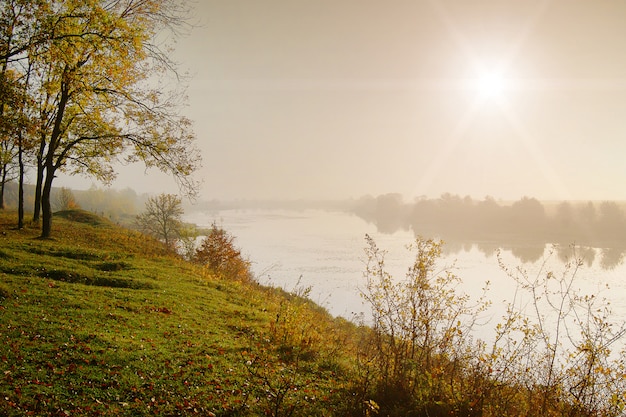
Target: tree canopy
column 98, row 88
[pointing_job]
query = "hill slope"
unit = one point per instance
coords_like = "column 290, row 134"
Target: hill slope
column 101, row 321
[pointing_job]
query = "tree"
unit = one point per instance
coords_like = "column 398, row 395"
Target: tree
column 162, row 218
column 8, row 123
column 99, row 91
column 611, row 223
column 18, row 26
column 66, row 200
column 8, row 172
column 21, row 28
column 8, row 147
column 529, row 214
column 15, row 128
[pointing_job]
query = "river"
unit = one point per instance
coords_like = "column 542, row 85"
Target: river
column 324, row 250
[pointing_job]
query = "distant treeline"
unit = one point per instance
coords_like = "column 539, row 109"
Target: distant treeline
column 118, row 205
column 597, row 224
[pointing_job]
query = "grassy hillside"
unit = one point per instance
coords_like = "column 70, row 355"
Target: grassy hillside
column 101, row 321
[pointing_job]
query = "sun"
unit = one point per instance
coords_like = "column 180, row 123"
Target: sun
column 490, row 85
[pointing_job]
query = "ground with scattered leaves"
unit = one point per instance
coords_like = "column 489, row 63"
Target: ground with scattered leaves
column 101, row 320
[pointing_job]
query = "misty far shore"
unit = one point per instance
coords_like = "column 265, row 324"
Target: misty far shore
column 524, row 226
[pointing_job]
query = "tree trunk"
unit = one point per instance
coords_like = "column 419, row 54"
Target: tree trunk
column 20, row 186
column 4, row 177
column 46, row 207
column 4, row 168
column 20, row 156
column 49, row 165
column 39, row 184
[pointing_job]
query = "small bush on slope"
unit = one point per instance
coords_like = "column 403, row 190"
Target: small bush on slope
column 218, row 253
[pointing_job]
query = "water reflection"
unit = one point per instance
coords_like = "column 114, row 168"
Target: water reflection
column 586, row 254
column 525, row 227
column 611, row 257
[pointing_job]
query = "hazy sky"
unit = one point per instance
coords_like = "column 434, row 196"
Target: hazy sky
column 341, row 98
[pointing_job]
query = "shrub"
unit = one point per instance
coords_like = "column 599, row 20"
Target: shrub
column 556, row 346
column 420, row 342
column 218, row 253
column 552, row 354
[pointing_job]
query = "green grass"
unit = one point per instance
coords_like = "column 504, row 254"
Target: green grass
column 101, row 320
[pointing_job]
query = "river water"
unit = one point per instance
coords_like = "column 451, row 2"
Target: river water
column 324, row 250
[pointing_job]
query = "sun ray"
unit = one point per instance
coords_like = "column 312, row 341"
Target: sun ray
column 490, row 83
column 451, row 27
column 438, row 163
column 538, row 157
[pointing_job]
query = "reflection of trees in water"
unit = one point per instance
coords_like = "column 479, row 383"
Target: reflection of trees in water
column 528, row 253
column 611, row 257
column 487, row 248
column 584, row 253
column 531, row 253
column 524, row 227
column 451, row 247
